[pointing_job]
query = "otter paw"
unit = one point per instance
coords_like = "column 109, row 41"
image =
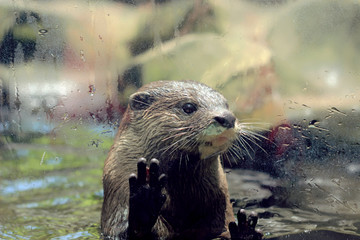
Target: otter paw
column 245, row 230
column 146, row 198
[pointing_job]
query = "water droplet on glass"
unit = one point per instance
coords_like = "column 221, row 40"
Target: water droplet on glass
column 82, row 55
column 313, row 122
column 335, row 110
column 92, row 89
column 42, row 32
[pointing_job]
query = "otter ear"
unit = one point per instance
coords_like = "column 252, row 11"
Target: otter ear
column 140, row 100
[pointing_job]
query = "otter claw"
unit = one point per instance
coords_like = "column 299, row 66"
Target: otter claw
column 245, row 230
column 146, row 198
column 141, row 171
column 154, row 173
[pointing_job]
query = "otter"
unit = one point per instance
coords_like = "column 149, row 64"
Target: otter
column 184, row 127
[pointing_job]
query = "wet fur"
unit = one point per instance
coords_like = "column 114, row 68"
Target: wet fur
column 198, row 205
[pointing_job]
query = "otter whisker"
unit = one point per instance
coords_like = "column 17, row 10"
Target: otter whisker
column 255, row 125
column 253, row 122
column 235, row 154
column 174, row 136
column 243, row 139
column 187, row 144
column 256, row 144
column 225, row 156
column 232, row 151
column 141, row 102
column 180, row 161
column 239, row 151
column 191, row 140
column 186, row 160
column 174, row 144
column 255, row 136
column 180, row 128
column 252, row 136
column 167, row 148
column 244, row 146
column 253, row 132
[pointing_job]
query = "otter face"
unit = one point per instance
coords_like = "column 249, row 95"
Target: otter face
column 179, row 117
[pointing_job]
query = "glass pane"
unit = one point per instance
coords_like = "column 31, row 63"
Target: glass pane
column 289, row 70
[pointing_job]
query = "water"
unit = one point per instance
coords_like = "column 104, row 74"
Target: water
column 51, row 189
column 316, row 204
column 58, row 195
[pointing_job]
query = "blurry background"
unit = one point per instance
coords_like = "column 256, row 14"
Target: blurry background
column 68, row 67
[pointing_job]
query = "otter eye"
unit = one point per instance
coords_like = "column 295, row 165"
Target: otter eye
column 189, row 108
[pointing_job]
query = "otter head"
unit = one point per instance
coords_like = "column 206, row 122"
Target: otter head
column 177, row 118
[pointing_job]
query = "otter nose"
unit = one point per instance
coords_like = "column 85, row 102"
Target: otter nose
column 226, row 120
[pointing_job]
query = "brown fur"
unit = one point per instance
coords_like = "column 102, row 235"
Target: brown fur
column 197, row 205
